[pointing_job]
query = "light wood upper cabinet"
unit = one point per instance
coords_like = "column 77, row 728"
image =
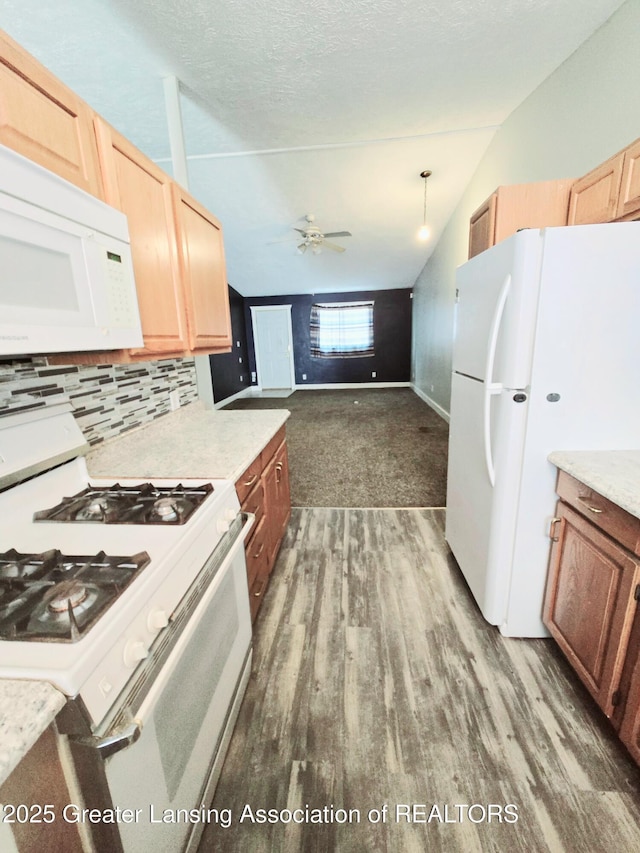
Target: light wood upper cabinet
column 629, row 199
column 43, row 120
column 511, row 208
column 594, row 198
column 610, row 192
column 135, row 185
column 203, row 272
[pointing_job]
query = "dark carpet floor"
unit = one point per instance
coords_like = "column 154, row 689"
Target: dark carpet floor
column 362, row 448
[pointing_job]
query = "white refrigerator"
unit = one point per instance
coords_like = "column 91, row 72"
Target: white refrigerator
column 546, row 357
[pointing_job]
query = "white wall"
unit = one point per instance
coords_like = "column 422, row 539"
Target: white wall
column 588, row 109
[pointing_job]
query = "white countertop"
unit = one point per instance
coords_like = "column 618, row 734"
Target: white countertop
column 614, row 474
column 190, row 442
column 27, row 708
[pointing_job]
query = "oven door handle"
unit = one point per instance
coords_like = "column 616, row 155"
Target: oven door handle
column 113, row 742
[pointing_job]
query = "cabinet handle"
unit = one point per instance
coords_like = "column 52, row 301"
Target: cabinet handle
column 260, row 591
column 589, row 506
column 279, row 472
column 552, row 529
column 251, row 480
column 259, row 551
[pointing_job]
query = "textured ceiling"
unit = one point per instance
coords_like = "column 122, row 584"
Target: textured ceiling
column 325, row 107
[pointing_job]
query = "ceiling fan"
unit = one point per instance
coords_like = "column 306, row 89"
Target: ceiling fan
column 313, row 238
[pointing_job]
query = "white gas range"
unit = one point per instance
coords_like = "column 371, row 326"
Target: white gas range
column 118, row 593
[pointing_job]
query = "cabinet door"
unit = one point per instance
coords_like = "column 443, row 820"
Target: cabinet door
column 139, row 188
column 204, row 274
column 43, row 120
column 589, row 603
column 594, row 198
column 630, row 728
column 278, row 498
column 629, row 200
column 482, row 226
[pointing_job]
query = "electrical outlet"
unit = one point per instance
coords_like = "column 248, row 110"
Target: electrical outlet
column 431, row 388
column 373, row 374
column 304, row 377
column 253, row 376
column 237, row 343
column 174, row 400
column 239, row 359
column 242, row 379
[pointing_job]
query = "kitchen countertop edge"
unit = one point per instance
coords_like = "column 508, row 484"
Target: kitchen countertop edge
column 192, row 443
column 614, row 474
column 27, row 708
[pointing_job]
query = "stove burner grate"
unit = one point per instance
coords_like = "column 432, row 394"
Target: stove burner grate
column 143, row 504
column 55, row 597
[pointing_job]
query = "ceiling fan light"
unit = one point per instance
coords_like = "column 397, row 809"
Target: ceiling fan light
column 316, row 250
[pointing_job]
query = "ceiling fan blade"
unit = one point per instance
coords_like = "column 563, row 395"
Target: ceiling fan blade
column 299, row 230
column 338, row 234
column 333, row 246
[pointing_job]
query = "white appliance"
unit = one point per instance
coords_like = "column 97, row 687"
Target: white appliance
column 546, row 357
column 67, row 280
column 131, row 598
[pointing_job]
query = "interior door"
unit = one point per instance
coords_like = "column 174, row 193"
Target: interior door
column 273, row 346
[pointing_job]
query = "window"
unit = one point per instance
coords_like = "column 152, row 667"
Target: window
column 342, row 330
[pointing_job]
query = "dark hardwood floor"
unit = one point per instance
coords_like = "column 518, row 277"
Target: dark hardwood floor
column 378, row 688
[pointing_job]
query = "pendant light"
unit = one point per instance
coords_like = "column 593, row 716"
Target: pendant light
column 424, row 233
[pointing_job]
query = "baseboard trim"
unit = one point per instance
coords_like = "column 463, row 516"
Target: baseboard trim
column 339, row 386
column 431, row 403
column 246, row 392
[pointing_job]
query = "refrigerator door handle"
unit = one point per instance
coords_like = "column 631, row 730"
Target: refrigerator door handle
column 493, row 388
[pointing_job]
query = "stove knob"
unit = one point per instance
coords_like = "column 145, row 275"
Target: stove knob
column 134, row 652
column 222, row 525
column 157, row 620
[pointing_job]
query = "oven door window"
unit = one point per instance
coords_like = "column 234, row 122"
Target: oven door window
column 168, row 766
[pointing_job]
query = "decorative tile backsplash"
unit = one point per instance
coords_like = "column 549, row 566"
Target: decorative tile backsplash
column 108, row 399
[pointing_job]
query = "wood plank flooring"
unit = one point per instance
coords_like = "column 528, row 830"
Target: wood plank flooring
column 377, row 684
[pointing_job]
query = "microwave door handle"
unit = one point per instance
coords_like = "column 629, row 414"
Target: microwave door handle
column 492, row 388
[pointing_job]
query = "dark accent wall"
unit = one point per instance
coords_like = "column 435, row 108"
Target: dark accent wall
column 391, row 336
column 229, row 374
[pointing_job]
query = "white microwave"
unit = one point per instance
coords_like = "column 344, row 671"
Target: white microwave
column 66, row 276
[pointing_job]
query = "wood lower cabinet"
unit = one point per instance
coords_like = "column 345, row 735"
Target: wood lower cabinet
column 43, row 120
column 591, row 601
column 264, row 490
column 511, row 208
column 43, row 778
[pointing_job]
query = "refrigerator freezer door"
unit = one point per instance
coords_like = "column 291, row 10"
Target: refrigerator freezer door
column 480, row 521
column 496, row 312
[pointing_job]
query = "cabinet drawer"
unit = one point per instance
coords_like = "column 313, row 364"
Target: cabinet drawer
column 248, row 480
column 254, row 502
column 609, row 517
column 271, row 448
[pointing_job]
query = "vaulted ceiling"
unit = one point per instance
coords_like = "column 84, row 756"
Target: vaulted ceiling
column 330, row 107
